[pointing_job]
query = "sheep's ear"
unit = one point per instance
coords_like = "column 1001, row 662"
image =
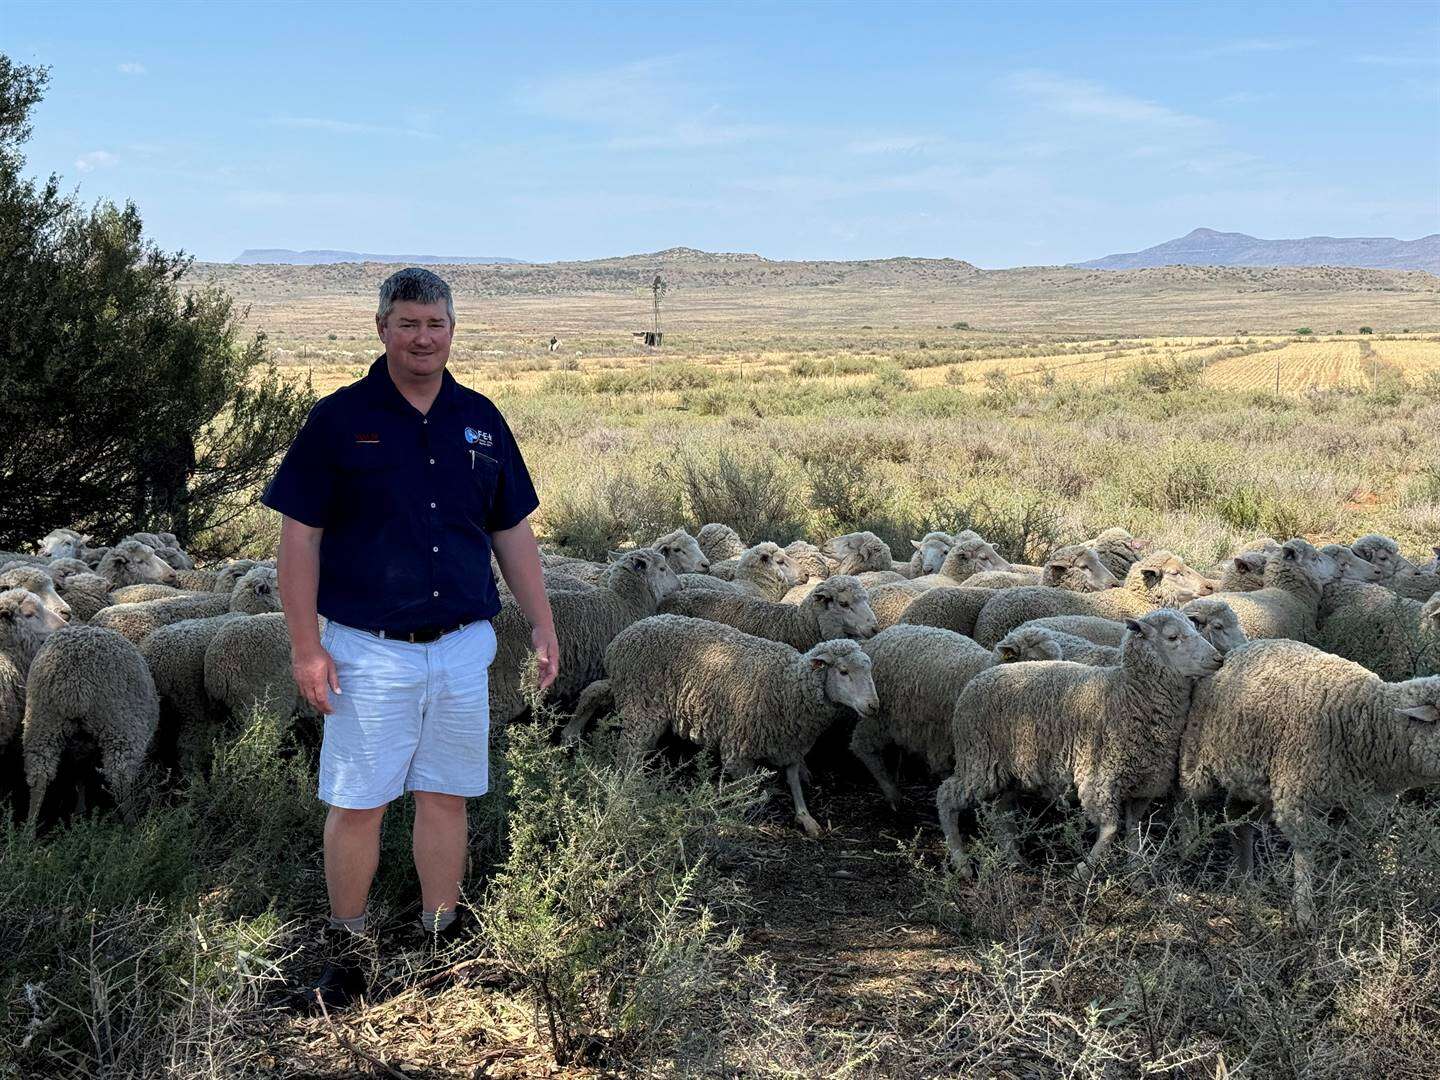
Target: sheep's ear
column 1437, row 551
column 1135, row 626
column 1426, row 714
column 1290, row 554
column 1006, row 652
column 765, row 557
column 824, row 599
column 1198, row 622
column 642, row 564
column 818, row 663
column 1249, row 563
column 1052, row 573
column 917, row 545
column 1151, row 575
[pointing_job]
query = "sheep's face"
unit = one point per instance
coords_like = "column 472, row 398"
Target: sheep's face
column 133, row 563
column 1079, row 570
column 1245, row 572
column 1352, row 567
column 1318, row 566
column 24, row 617
column 257, row 592
column 1168, row 581
column 1216, row 622
column 1177, row 643
column 854, row 553
column 1381, row 551
column 770, row 560
column 843, row 609
column 174, row 558
column 849, row 680
column 809, row 559
column 970, row 557
column 63, row 544
column 231, row 573
column 653, row 568
column 1419, row 711
column 1028, row 643
column 39, row 583
column 682, row 552
column 933, row 549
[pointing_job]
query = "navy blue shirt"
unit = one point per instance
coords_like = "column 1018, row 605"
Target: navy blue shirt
column 407, row 501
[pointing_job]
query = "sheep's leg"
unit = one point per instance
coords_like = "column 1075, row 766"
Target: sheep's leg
column 1304, row 887
column 1002, row 824
column 802, row 814
column 867, row 743
column 950, row 799
column 1134, row 825
column 594, row 701
column 1108, row 818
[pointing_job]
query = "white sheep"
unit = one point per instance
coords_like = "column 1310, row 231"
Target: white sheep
column 132, row 563
column 247, row 668
column 719, row 542
column 1299, row 733
column 964, row 560
column 955, row 609
column 919, row 672
column 1119, row 551
column 857, row 552
column 38, row 581
column 175, row 655
column 1090, row 627
column 756, row 702
column 138, row 594
column 135, row 621
column 1289, row 603
column 25, row 623
column 1028, row 638
column 930, row 552
column 837, row 607
column 764, row 571
column 257, row 591
column 1217, row 622
column 1109, row 734
column 1392, row 636
column 88, row 685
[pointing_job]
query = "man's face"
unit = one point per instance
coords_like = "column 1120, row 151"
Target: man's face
column 417, row 337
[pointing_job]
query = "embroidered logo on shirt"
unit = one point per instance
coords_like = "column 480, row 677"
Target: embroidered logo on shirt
column 366, row 437
column 478, row 438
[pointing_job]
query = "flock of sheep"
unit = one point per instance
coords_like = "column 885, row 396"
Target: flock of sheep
column 1291, row 679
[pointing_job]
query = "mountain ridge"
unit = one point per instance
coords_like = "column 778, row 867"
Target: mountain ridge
column 1211, row 247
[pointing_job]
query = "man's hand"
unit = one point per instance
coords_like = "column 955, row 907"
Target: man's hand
column 315, row 676
column 547, row 654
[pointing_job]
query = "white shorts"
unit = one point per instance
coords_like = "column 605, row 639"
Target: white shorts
column 408, row 717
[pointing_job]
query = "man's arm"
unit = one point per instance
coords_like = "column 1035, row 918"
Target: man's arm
column 519, row 559
column 299, row 572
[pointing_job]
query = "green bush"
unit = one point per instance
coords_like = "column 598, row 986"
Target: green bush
column 1367, row 330
column 1302, row 330
column 590, row 519
column 752, row 493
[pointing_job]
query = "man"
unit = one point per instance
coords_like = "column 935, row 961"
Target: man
column 394, row 495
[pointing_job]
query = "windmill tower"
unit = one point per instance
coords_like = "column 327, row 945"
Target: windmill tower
column 658, row 289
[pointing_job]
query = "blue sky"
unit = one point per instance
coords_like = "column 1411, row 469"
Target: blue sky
column 1004, row 134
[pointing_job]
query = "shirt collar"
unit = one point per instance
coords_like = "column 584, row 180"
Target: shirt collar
column 387, row 394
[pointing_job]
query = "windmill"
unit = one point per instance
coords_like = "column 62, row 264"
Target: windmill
column 653, row 336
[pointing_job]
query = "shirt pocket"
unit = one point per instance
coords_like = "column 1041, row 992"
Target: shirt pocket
column 482, row 470
column 371, row 479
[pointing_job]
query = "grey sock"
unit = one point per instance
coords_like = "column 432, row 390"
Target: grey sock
column 355, row 925
column 434, row 922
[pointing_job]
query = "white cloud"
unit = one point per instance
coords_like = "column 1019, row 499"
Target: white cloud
column 1084, row 98
column 1250, row 46
column 130, row 67
column 95, row 159
column 347, row 127
column 894, row 144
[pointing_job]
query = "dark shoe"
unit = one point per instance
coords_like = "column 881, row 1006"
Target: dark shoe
column 342, row 980
column 458, row 930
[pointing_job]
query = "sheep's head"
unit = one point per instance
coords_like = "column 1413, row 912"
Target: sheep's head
column 231, row 573
column 1245, row 572
column 847, row 673
column 809, row 558
column 769, row 560
column 1217, row 623
column 1079, row 569
column 682, row 552
column 257, row 592
column 720, row 541
column 1417, row 708
column 1383, row 552
column 970, row 557
column 25, row 622
column 1028, row 643
column 843, row 609
column 1430, row 614
column 933, row 548
column 132, row 563
column 1300, row 554
column 1167, row 580
column 650, row 566
column 1352, row 567
column 38, row 582
column 174, row 558
column 1120, row 541
column 62, row 570
column 856, row 552
column 1177, row 643
column 63, row 543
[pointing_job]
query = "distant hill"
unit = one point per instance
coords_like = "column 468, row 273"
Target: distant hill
column 1206, row 247
column 286, row 257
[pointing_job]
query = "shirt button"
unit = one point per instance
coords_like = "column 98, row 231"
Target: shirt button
column 432, row 506
column 425, row 421
column 434, row 549
column 435, row 593
column 432, row 461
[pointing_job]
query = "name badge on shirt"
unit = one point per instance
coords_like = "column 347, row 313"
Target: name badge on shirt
column 476, row 437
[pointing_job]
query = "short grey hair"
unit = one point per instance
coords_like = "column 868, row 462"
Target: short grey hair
column 416, row 286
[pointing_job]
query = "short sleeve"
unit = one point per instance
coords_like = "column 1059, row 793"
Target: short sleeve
column 304, row 485
column 515, row 497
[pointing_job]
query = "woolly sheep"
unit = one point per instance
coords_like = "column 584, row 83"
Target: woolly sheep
column 1158, row 579
column 37, row 581
column 719, row 542
column 919, row 672
column 1415, row 584
column 230, row 573
column 585, row 624
column 1217, row 622
column 955, row 609
column 132, row 563
column 679, row 548
column 1118, row 550
column 1351, row 567
column 858, row 551
column 1369, row 624
column 757, row 702
column 890, row 602
column 1078, row 568
column 88, row 685
column 138, row 594
column 63, row 543
column 764, row 571
column 1090, row 627
column 1111, row 734
column 257, row 592
column 963, row 561
column 1244, row 572
column 809, row 560
column 154, row 540
column 868, row 579
column 87, row 593
column 1028, row 638
column 1384, row 553
column 1001, row 579
column 1287, row 605
column 836, row 608
column 930, row 552
column 175, row 655
column 196, row 580
column 1299, row 732
column 1433, row 566
column 25, row 623
column 135, row 621
column 247, row 667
